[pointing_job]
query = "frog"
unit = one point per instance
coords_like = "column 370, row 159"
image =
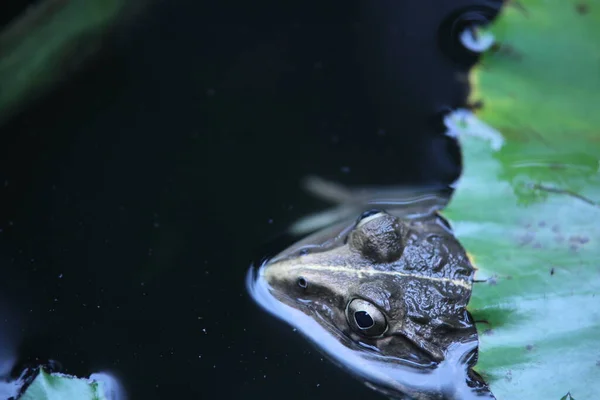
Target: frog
column 392, row 291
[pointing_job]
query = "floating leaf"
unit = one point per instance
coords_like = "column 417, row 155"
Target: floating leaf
column 54, row 386
column 43, row 385
column 526, row 206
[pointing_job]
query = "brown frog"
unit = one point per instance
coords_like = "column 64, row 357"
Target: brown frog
column 393, row 291
column 394, row 285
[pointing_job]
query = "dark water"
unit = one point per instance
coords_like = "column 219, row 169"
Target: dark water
column 133, row 200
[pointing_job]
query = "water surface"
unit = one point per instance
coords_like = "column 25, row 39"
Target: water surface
column 133, row 200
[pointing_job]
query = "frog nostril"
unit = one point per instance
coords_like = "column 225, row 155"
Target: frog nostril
column 302, row 282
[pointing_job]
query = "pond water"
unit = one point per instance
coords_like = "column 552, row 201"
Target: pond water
column 134, row 199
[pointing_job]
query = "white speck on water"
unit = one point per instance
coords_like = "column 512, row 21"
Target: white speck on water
column 476, row 40
column 60, row 276
column 204, row 330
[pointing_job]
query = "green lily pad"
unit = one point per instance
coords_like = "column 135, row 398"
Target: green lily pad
column 48, row 386
column 526, row 206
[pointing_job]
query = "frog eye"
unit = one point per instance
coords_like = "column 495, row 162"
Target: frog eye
column 365, row 319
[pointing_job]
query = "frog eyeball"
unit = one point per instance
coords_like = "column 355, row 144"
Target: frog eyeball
column 365, row 318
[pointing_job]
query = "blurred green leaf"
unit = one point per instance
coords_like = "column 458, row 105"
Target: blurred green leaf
column 49, row 41
column 527, row 208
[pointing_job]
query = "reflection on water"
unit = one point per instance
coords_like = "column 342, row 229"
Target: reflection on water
column 460, row 34
column 411, row 202
column 383, row 297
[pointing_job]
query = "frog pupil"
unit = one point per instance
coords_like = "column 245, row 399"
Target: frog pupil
column 363, row 320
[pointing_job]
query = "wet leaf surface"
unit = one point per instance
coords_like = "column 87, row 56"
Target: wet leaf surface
column 48, row 386
column 527, row 206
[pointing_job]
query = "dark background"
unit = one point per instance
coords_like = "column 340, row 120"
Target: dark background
column 134, row 198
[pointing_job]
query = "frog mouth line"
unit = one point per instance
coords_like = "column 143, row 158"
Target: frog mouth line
column 365, row 272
